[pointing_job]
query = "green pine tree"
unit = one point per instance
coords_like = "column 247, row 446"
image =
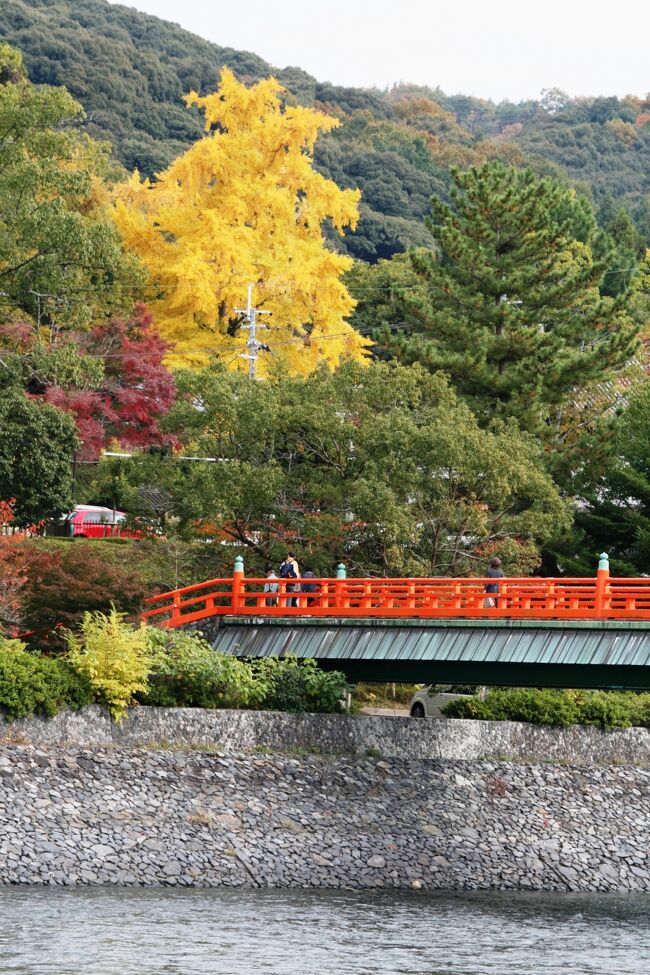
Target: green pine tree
column 512, row 309
column 628, row 250
column 614, row 511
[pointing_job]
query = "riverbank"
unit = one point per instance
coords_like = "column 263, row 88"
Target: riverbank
column 130, row 816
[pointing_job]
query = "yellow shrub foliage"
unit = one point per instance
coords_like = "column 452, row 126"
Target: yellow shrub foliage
column 245, row 205
column 115, row 657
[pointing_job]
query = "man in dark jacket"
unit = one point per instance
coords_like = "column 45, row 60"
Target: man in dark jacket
column 290, row 570
column 309, row 586
column 494, row 572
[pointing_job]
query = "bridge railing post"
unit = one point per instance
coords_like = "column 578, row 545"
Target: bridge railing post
column 410, row 600
column 601, row 602
column 237, row 593
column 339, row 586
column 176, row 609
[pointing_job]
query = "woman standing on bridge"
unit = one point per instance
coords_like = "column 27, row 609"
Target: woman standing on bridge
column 494, row 572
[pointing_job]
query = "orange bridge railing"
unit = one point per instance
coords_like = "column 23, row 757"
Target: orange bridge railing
column 598, row 598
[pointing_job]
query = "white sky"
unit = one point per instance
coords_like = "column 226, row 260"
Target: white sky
column 499, row 49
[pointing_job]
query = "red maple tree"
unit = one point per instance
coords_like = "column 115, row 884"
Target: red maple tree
column 12, row 575
column 137, row 389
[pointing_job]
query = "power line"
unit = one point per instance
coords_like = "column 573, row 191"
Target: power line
column 155, row 294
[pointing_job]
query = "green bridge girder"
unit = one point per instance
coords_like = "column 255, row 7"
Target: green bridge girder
column 534, row 653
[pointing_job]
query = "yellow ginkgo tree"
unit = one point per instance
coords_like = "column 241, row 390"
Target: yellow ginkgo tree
column 242, row 206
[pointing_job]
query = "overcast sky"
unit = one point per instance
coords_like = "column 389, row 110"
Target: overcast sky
column 500, row 49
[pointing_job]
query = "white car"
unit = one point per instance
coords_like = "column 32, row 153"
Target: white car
column 428, row 702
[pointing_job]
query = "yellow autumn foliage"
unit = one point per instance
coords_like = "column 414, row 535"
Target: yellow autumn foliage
column 245, row 205
column 114, row 656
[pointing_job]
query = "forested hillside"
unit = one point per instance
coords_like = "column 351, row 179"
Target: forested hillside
column 130, row 70
column 508, row 417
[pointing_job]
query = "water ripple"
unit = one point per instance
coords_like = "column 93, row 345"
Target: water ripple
column 114, row 931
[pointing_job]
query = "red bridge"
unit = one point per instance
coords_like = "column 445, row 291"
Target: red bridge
column 592, row 632
column 598, row 598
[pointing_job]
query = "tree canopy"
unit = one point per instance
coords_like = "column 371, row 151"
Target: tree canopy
column 614, row 510
column 130, row 71
column 63, row 276
column 527, row 290
column 381, row 466
column 512, row 310
column 244, row 205
column 61, row 261
column 111, row 378
column 36, row 454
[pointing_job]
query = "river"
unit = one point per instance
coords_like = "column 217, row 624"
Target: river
column 125, row 931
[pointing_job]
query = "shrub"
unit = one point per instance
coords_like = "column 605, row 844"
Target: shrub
column 64, row 584
column 187, row 672
column 611, row 709
column 11, row 645
column 326, row 689
column 605, row 709
column 471, row 707
column 114, row 656
column 287, row 687
column 38, row 685
column 12, row 579
column 298, row 686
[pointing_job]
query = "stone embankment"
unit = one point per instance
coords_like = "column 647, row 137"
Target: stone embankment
column 244, row 731
column 124, row 815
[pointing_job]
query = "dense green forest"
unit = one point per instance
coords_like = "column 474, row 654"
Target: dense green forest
column 496, row 401
column 129, row 70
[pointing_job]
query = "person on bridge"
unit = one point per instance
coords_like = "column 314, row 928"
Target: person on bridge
column 494, row 572
column 271, row 587
column 291, row 570
column 309, row 586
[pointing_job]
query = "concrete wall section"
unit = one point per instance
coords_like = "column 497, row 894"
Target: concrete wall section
column 405, row 738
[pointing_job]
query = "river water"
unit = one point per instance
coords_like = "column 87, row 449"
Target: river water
column 113, row 931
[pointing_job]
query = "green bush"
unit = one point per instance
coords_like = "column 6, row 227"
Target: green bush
column 38, row 685
column 287, row 690
column 187, row 672
column 115, row 663
column 604, row 709
column 326, row 689
column 612, row 709
column 299, row 686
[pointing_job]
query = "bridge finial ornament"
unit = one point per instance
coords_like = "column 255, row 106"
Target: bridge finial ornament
column 603, row 562
column 341, row 572
column 239, row 564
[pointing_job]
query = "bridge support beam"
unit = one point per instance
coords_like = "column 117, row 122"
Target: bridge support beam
column 493, row 675
column 606, row 654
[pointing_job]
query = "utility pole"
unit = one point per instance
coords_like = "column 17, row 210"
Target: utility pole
column 252, row 345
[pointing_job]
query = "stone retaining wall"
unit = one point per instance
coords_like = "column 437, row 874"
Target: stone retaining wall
column 238, row 798
column 237, row 731
column 122, row 815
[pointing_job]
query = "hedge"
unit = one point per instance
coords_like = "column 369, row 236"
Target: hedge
column 604, row 709
column 39, row 685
